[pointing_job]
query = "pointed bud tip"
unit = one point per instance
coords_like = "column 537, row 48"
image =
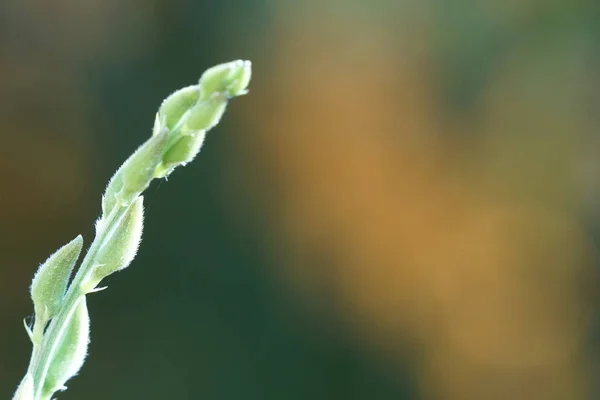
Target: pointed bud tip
column 239, row 85
column 231, row 78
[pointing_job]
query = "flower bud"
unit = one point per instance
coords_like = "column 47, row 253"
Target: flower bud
column 70, row 352
column 50, row 281
column 25, row 391
column 177, row 104
column 121, row 245
column 184, row 150
column 230, row 78
column 206, row 114
column 240, row 80
column 134, row 176
column 139, row 170
column 189, row 113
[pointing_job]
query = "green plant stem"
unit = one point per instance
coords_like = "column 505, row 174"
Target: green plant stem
column 36, row 339
column 42, row 358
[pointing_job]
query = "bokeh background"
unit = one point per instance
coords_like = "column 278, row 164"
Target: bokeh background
column 405, row 206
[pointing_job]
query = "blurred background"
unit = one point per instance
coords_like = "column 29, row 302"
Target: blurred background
column 405, row 206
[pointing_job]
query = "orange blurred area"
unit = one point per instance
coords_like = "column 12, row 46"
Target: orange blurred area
column 427, row 170
column 459, row 234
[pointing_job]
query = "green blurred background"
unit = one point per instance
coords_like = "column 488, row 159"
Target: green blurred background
column 405, row 206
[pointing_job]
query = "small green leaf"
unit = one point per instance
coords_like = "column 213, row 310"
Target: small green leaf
column 50, row 281
column 71, row 351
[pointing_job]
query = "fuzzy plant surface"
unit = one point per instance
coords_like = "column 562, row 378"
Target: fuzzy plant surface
column 61, row 328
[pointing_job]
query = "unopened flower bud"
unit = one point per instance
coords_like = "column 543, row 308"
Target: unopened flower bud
column 50, row 281
column 184, row 150
column 177, row 104
column 71, row 351
column 240, row 79
column 231, row 78
column 120, row 248
column 206, row 114
column 139, row 170
column 134, row 176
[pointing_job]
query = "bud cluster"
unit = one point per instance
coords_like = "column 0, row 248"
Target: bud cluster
column 61, row 331
column 179, row 130
column 192, row 111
